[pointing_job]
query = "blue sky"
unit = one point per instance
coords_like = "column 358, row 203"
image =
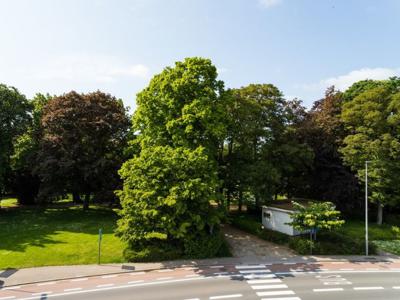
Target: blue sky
column 301, row 46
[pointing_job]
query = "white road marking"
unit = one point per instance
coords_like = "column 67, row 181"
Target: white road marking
column 216, row 267
column 254, row 276
column 192, row 299
column 226, row 296
column 9, row 297
column 284, row 298
column 270, row 286
column 240, row 267
column 337, row 263
column 254, row 271
column 275, row 293
column 261, row 281
column 165, row 270
column 109, row 276
column 367, row 288
column 72, row 290
column 289, row 263
column 164, row 278
column 46, row 283
column 80, row 279
column 334, row 272
column 345, row 269
column 105, row 285
column 328, row 290
column 136, row 281
column 137, row 273
column 42, row 293
column 10, row 288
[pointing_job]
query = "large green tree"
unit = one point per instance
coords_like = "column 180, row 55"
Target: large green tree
column 14, row 118
column 82, row 144
column 329, row 179
column 168, row 185
column 372, row 119
column 261, row 153
column 25, row 183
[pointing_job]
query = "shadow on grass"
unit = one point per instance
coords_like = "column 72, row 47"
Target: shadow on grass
column 38, row 226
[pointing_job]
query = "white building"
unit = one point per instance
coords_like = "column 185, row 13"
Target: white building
column 276, row 219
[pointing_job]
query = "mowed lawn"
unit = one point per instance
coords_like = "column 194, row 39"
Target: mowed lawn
column 57, row 235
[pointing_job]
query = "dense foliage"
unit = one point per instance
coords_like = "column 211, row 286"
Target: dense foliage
column 81, row 148
column 171, row 180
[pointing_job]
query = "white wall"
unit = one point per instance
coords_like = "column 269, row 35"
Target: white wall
column 275, row 219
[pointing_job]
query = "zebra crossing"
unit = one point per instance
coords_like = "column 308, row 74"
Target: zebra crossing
column 266, row 285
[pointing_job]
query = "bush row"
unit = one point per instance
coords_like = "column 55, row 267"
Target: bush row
column 202, row 246
column 328, row 243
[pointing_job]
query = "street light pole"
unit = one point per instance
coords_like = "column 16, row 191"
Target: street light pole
column 366, row 208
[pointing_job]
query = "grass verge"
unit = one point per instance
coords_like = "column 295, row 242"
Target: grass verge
column 64, row 235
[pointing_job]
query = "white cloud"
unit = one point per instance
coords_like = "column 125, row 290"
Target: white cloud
column 269, row 3
column 88, row 68
column 342, row 82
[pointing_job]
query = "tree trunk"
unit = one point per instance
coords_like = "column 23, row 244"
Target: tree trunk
column 240, row 201
column 76, row 198
column 379, row 217
column 228, row 201
column 86, row 201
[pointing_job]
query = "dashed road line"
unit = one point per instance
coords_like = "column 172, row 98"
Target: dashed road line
column 269, row 287
column 262, row 281
column 275, row 293
column 136, row 281
column 109, row 276
column 165, row 270
column 192, row 299
column 46, row 283
column 216, row 267
column 367, row 288
column 259, row 276
column 11, row 288
column 164, row 278
column 73, row 289
column 396, row 287
column 328, row 290
column 105, row 285
column 284, row 298
column 226, row 296
column 9, row 297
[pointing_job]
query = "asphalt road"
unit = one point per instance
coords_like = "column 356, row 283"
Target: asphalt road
column 222, row 282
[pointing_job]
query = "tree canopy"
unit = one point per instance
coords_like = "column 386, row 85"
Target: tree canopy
column 82, row 144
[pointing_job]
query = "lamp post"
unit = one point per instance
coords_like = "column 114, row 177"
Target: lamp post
column 366, row 207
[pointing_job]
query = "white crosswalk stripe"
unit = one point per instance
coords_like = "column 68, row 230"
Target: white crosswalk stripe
column 265, row 283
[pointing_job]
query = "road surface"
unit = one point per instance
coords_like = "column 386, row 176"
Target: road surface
column 308, row 281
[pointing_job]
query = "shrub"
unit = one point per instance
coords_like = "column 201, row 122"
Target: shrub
column 331, row 243
column 152, row 254
column 206, row 246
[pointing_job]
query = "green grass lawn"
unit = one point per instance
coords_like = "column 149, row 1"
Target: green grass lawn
column 356, row 229
column 57, row 236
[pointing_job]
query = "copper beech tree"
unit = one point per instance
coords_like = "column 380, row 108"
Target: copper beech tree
column 82, row 144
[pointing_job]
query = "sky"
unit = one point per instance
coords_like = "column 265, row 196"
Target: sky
column 301, row 46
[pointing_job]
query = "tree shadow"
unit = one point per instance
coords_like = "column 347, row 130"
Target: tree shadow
column 39, row 226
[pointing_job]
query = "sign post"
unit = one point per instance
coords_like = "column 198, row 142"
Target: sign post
column 100, row 237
